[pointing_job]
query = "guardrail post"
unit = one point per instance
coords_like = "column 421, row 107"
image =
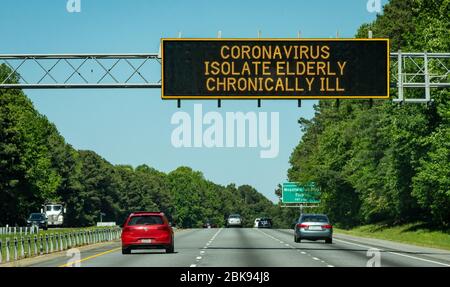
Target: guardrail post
column 61, row 247
column 69, row 240
column 29, row 246
column 7, row 250
column 22, row 248
column 35, row 245
column 41, row 245
column 46, row 243
column 51, row 243
column 1, row 253
column 56, row 242
column 15, row 249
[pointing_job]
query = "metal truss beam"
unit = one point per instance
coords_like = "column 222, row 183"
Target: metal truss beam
column 82, row 71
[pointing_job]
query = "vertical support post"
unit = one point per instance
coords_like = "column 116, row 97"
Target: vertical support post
column 427, row 78
column 35, row 245
column 46, row 244
column 299, row 103
column 69, row 240
column 22, row 247
column 51, row 243
column 1, row 253
column 56, row 242
column 29, row 247
column 15, row 249
column 178, row 103
column 7, row 249
column 400, row 76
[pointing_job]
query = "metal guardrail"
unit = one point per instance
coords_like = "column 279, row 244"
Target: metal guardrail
column 19, row 230
column 13, row 248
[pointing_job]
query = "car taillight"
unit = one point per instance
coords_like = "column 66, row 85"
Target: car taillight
column 327, row 226
column 302, row 225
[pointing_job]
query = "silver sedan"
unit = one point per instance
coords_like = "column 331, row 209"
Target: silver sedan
column 313, row 227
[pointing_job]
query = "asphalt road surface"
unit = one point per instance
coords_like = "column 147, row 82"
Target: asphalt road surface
column 250, row 247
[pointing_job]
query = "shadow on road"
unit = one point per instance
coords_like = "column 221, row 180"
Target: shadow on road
column 149, row 252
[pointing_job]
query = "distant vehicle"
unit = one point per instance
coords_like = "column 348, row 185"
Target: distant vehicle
column 234, row 220
column 265, row 223
column 147, row 230
column 256, row 222
column 313, row 227
column 54, row 213
column 37, row 219
column 209, row 224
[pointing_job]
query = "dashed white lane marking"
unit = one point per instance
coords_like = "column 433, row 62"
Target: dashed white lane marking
column 304, row 253
column 395, row 253
column 202, row 252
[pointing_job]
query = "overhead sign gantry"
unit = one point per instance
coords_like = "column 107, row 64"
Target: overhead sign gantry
column 197, row 68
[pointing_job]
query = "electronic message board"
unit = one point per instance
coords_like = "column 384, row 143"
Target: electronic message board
column 275, row 68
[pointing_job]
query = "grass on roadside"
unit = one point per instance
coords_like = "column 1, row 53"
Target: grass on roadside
column 414, row 233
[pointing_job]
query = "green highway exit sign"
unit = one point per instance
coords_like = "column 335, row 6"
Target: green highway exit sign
column 296, row 193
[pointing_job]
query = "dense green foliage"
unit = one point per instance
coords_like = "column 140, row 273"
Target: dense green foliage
column 38, row 166
column 384, row 162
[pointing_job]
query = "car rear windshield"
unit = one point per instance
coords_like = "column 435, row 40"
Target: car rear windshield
column 145, row 220
column 314, row 218
column 36, row 216
column 235, row 216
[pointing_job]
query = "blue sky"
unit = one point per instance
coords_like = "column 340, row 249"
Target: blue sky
column 133, row 126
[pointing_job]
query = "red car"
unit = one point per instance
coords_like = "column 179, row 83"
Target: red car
column 147, row 230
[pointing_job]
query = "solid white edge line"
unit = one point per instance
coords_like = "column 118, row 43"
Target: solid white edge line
column 395, row 253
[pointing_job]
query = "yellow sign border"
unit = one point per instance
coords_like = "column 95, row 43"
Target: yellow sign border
column 236, row 97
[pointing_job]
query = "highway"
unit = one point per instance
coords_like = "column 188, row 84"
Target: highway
column 250, row 247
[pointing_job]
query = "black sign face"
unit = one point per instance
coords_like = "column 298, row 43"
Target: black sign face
column 275, row 68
